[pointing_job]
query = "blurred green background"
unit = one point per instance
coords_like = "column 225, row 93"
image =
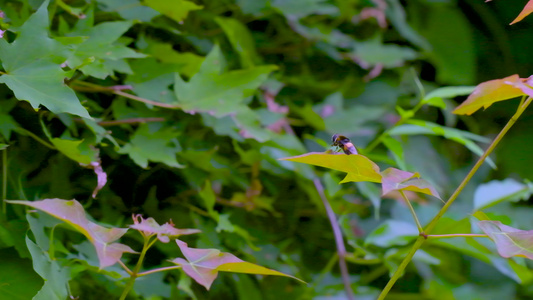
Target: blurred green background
column 252, row 81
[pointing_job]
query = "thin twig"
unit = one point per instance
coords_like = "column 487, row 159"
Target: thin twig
column 130, row 121
column 90, row 87
column 341, row 249
column 408, row 203
column 452, row 198
column 444, row 236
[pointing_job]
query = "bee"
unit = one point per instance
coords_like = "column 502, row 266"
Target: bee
column 344, row 143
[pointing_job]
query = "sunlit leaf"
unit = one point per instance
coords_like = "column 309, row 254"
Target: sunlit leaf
column 489, row 92
column 73, row 214
column 528, row 9
column 493, row 192
column 509, row 241
column 358, row 167
column 394, row 179
column 175, row 9
column 203, row 265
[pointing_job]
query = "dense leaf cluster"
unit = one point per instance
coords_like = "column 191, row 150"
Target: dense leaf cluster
column 181, row 110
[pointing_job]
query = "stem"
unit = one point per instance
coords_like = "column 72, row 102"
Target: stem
column 86, row 86
column 35, row 137
column 341, row 249
column 158, row 270
column 452, row 198
column 135, row 273
column 4, row 179
column 444, row 236
column 130, row 121
column 420, row 228
column 402, row 120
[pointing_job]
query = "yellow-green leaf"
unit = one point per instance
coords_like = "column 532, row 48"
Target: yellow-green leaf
column 358, row 167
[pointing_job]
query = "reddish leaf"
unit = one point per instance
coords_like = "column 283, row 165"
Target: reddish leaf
column 488, row 92
column 528, row 9
column 71, row 212
column 509, row 241
column 395, row 180
column 358, row 167
column 203, row 265
column 164, row 232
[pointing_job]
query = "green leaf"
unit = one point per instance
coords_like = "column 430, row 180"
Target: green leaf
column 101, row 47
column 72, row 213
column 437, row 96
column 392, row 233
column 396, row 149
column 241, row 40
column 509, row 241
column 129, row 9
column 19, row 280
column 56, row 277
column 160, row 145
column 374, row 52
column 71, row 150
column 219, row 93
column 488, row 92
column 41, row 83
column 463, row 137
column 203, row 265
column 302, row 8
column 188, row 63
column 176, row 9
column 495, row 191
column 358, row 167
column 33, row 73
column 396, row 180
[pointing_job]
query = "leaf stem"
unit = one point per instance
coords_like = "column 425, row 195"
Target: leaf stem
column 418, row 243
column 135, row 273
column 418, row 225
column 341, row 249
column 402, row 120
column 4, row 179
column 86, row 86
column 158, row 270
column 444, row 236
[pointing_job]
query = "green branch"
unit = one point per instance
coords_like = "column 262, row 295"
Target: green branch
column 452, row 198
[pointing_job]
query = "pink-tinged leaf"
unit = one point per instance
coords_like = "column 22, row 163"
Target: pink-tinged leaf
column 509, row 241
column 164, row 232
column 396, row 180
column 524, row 85
column 528, row 9
column 101, row 176
column 203, row 265
column 72, row 213
column 358, row 167
column 488, row 92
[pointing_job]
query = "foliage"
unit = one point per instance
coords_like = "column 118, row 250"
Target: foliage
column 210, row 115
